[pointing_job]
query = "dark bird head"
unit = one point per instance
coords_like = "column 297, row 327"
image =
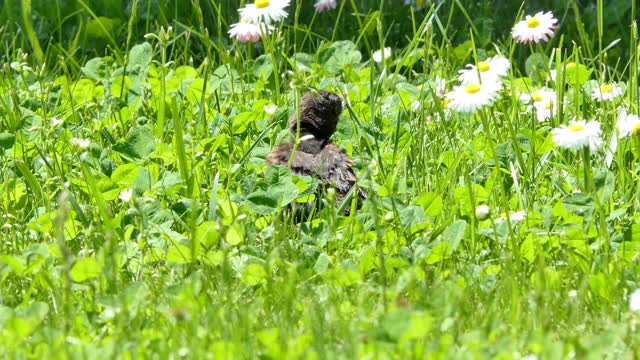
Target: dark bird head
column 319, row 114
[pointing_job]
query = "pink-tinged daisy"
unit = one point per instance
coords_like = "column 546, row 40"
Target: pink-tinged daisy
column 577, row 135
column 325, row 5
column 248, row 31
column 628, row 124
column 492, row 69
column 535, row 28
column 265, row 10
column 471, row 97
column 606, row 92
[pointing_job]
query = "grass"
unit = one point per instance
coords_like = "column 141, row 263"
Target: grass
column 139, row 218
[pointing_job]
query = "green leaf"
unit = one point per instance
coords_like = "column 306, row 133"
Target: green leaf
column 97, row 69
column 322, row 263
column 280, row 183
column 125, row 174
column 140, row 57
column 139, row 144
column 262, row 202
column 454, row 233
column 576, row 74
column 263, row 67
column 179, row 254
column 431, row 203
column 207, row 233
column 7, row 140
column 535, row 66
column 235, row 235
column 85, row 269
column 438, row 253
column 339, row 55
column 254, row 274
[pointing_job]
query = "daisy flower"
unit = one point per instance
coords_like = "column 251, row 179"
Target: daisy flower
column 270, row 109
column 543, row 101
column 628, row 124
column 514, row 217
column 491, row 69
column 606, row 92
column 634, row 300
column 249, row 31
column 577, row 135
column 535, row 28
column 265, row 10
column 381, row 55
column 324, row 5
column 471, row 97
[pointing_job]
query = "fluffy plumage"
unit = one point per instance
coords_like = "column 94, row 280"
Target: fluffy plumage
column 316, row 155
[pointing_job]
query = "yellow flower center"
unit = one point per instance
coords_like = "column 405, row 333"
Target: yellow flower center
column 636, row 129
column 483, row 66
column 260, row 4
column 536, row 97
column 533, row 23
column 445, row 103
column 576, row 127
column 549, row 105
column 472, row 88
column 606, row 88
column 419, row 3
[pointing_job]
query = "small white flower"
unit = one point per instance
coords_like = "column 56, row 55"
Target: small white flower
column 81, row 143
column 606, row 92
column 572, row 293
column 535, row 28
column 471, row 97
column 270, row 109
column 267, row 11
column 634, row 300
column 56, row 121
column 514, row 217
column 126, row 195
column 577, row 135
column 249, row 31
column 483, row 212
column 543, row 101
column 628, row 124
column 381, row 55
column 324, row 5
column 492, row 69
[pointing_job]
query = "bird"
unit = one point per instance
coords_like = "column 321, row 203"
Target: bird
column 315, row 155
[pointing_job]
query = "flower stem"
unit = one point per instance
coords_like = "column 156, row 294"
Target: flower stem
column 586, row 154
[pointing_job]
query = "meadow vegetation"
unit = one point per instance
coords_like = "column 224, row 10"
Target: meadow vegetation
column 139, row 218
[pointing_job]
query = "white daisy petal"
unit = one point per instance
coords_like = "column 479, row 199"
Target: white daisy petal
column 267, row 11
column 535, row 28
column 492, row 69
column 606, row 92
column 628, row 124
column 471, row 97
column 249, row 31
column 577, row 135
column 325, row 5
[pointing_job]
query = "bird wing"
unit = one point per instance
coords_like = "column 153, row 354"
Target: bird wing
column 332, row 166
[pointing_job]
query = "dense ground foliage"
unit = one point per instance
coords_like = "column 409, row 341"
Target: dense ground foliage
column 139, row 216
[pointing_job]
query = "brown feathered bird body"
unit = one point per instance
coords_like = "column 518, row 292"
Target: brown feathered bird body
column 316, row 155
